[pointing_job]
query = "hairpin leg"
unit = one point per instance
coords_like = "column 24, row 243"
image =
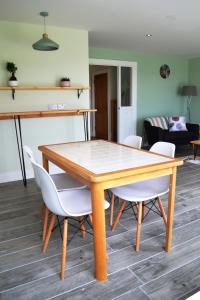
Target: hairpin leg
column 18, row 133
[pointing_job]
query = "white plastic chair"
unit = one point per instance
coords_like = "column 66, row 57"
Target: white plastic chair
column 63, row 181
column 65, row 203
column 134, row 141
column 145, row 190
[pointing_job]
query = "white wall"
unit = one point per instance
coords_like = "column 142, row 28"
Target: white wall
column 40, row 68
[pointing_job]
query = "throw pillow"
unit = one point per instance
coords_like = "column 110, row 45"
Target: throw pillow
column 161, row 122
column 177, row 124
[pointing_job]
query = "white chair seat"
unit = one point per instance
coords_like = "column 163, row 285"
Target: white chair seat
column 77, row 202
column 65, row 203
column 142, row 191
column 150, row 189
column 64, row 181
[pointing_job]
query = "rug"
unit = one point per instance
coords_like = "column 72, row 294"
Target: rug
column 192, row 161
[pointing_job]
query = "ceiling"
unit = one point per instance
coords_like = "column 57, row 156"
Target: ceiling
column 119, row 24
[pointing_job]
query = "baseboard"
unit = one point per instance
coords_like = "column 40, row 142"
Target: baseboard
column 16, row 175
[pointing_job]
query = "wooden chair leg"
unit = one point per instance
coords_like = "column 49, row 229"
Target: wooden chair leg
column 119, row 214
column 139, row 221
column 64, row 249
column 111, row 209
column 51, row 225
column 45, row 224
column 162, row 210
column 82, row 225
column 90, row 219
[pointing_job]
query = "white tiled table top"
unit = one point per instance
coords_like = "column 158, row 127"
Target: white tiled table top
column 103, row 157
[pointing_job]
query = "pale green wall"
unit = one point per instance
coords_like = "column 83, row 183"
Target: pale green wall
column 194, row 79
column 40, row 68
column 156, row 96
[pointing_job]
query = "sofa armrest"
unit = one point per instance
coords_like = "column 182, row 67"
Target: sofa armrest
column 153, row 133
column 193, row 128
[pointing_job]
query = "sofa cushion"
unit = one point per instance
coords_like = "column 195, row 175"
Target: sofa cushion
column 177, row 136
column 161, row 122
column 177, row 124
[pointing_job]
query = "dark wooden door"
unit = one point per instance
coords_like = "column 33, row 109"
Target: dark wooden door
column 101, row 104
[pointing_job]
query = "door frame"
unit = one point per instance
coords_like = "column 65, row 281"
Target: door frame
column 119, row 63
column 92, row 102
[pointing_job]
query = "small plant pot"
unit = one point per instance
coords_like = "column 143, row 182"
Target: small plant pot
column 65, row 83
column 13, row 82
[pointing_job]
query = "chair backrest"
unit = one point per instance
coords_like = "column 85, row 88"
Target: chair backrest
column 29, row 152
column 49, row 191
column 133, row 141
column 167, row 149
column 164, row 148
column 31, row 157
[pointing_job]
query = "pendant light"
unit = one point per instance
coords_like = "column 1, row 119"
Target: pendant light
column 45, row 44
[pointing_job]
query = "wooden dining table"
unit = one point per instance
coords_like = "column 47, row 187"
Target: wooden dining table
column 102, row 165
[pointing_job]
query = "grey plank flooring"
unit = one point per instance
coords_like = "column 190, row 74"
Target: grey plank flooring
column 177, row 283
column 136, row 294
column 117, row 284
column 27, row 273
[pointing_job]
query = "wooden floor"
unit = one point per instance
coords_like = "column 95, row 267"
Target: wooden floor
column 27, row 273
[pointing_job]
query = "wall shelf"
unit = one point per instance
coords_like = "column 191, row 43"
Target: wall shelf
column 77, row 88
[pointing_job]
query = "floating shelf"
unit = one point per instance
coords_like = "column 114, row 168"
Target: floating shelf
column 77, row 88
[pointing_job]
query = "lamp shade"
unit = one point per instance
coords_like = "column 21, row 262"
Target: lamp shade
column 189, row 90
column 45, row 44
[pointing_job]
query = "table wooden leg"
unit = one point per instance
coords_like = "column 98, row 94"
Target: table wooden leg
column 98, row 214
column 170, row 213
column 45, row 163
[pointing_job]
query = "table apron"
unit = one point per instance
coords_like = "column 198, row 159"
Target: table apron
column 135, row 178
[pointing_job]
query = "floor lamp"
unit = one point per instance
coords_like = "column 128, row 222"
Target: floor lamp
column 189, row 91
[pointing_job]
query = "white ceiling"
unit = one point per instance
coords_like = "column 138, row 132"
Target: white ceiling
column 119, row 24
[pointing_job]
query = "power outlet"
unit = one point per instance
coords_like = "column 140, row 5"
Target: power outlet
column 61, row 106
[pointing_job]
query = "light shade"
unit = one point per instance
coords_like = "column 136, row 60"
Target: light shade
column 45, row 44
column 189, row 90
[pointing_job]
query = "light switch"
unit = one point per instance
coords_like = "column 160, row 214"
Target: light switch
column 52, row 106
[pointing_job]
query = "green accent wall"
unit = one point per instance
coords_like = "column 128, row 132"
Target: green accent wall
column 194, row 79
column 40, row 68
column 156, row 96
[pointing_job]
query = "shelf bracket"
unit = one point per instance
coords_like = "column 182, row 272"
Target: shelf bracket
column 79, row 92
column 13, row 94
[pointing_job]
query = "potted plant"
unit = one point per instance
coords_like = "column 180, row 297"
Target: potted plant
column 11, row 67
column 65, row 81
